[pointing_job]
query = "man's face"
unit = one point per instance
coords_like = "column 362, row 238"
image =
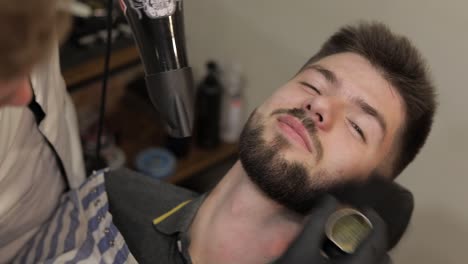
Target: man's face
column 333, row 123
column 16, row 92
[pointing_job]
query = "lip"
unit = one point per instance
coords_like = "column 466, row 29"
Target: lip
column 298, row 128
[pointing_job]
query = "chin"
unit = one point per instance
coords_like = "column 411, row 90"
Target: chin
column 292, row 152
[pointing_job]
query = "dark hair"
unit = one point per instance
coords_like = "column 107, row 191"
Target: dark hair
column 402, row 65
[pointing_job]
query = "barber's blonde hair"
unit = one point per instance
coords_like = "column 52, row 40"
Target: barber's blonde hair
column 27, row 30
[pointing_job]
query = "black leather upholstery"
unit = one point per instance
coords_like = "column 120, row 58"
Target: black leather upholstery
column 391, row 201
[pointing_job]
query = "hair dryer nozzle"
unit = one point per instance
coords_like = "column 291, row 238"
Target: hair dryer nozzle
column 171, row 95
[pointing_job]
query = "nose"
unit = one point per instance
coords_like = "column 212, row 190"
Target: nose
column 322, row 110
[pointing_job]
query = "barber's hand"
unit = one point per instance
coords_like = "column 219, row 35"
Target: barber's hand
column 306, row 249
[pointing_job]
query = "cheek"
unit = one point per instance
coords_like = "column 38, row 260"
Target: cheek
column 344, row 156
column 287, row 97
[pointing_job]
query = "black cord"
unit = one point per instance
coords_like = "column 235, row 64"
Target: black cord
column 105, row 77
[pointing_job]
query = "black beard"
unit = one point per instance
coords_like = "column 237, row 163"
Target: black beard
column 287, row 183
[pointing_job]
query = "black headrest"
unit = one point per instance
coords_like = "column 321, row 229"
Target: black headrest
column 390, row 200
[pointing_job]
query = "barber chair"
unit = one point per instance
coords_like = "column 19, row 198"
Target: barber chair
column 391, row 201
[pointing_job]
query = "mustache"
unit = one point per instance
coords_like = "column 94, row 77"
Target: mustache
column 309, row 125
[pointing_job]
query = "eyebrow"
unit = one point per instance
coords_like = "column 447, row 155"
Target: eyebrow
column 329, row 75
column 365, row 107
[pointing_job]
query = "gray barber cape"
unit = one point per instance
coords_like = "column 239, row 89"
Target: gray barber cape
column 153, row 216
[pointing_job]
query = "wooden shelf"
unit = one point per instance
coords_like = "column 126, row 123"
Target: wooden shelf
column 91, row 70
column 139, row 128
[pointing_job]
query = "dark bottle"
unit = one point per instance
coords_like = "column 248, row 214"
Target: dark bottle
column 208, row 109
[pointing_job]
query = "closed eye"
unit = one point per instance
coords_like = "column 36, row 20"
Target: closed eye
column 358, row 130
column 311, row 87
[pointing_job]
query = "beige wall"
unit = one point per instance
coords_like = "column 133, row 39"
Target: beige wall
column 272, row 39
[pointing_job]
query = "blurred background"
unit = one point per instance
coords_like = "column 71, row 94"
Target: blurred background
column 252, row 48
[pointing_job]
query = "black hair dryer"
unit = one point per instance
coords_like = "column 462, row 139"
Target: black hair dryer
column 158, row 29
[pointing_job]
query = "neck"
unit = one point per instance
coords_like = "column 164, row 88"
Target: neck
column 237, row 223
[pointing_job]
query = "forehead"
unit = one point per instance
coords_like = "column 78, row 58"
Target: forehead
column 357, row 77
